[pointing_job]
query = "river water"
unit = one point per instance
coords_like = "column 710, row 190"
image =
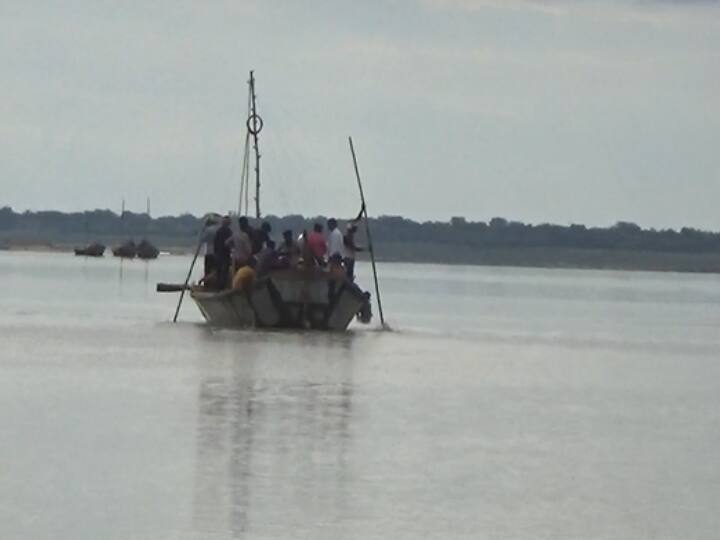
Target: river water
column 505, row 403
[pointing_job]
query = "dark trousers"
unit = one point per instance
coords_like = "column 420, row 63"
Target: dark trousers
column 223, row 272
column 210, row 264
column 350, row 268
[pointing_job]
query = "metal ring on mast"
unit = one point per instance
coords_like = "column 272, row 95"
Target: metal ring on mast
column 254, row 124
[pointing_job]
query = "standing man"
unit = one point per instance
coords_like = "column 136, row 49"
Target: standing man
column 350, row 249
column 221, row 251
column 208, row 240
column 260, row 238
column 334, row 240
column 241, row 244
column 316, row 245
column 349, row 244
column 289, row 250
column 245, row 227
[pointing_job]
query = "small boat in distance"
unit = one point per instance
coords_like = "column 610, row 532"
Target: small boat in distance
column 145, row 250
column 96, row 249
column 128, row 250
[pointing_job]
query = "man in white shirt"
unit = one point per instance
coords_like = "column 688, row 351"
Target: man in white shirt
column 240, row 244
column 334, row 240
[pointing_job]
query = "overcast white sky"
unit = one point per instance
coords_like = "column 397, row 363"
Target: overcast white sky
column 542, row 111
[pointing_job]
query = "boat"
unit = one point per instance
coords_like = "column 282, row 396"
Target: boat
column 298, row 297
column 128, row 250
column 289, row 298
column 96, row 249
column 145, row 250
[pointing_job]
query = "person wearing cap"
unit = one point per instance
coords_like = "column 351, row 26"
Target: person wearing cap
column 350, row 249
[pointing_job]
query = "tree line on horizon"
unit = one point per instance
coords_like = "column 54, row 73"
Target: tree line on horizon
column 496, row 233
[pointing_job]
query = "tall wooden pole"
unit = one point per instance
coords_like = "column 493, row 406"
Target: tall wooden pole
column 254, row 126
column 192, row 265
column 367, row 233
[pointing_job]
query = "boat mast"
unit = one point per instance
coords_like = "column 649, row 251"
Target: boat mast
column 147, row 221
column 254, row 125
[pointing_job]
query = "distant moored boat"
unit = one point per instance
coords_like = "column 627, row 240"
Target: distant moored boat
column 128, row 250
column 145, row 250
column 96, row 249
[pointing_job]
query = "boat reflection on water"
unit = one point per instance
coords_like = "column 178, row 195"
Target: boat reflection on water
column 268, row 447
column 130, row 274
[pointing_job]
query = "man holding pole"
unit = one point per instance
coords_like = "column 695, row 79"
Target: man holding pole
column 208, row 239
column 222, row 252
column 367, row 232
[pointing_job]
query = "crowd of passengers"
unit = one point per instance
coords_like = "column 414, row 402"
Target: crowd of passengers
column 233, row 258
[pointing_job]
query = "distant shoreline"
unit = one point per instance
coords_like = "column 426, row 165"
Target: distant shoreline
column 548, row 258
column 497, row 242
column 66, row 248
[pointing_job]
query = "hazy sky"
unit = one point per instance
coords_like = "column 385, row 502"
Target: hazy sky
column 561, row 111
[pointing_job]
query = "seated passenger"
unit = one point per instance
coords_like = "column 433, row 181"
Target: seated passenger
column 260, row 237
column 268, row 259
column 244, row 277
column 289, row 251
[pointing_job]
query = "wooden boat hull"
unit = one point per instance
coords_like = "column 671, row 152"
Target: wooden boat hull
column 286, row 299
column 228, row 309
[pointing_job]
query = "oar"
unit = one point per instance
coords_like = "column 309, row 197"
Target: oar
column 192, row 265
column 171, row 287
column 367, row 233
